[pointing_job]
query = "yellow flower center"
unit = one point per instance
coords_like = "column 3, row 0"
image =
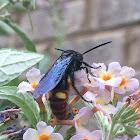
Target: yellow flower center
column 123, row 82
column 34, row 85
column 43, row 137
column 78, row 122
column 75, row 110
column 85, row 139
column 106, row 77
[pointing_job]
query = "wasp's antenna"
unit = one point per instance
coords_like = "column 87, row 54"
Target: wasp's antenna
column 97, row 46
column 60, row 49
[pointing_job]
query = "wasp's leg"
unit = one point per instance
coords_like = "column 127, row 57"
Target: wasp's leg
column 73, row 85
column 87, row 73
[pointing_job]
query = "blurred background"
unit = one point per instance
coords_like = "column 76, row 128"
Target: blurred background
column 80, row 25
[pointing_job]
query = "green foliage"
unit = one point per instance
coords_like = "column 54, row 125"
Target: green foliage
column 44, row 62
column 3, row 1
column 70, row 132
column 3, row 137
column 48, row 111
column 27, row 42
column 25, row 101
column 14, row 62
column 5, row 29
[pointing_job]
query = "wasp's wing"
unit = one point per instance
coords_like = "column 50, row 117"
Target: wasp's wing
column 53, row 76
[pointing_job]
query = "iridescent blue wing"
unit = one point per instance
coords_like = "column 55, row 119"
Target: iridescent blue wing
column 53, row 76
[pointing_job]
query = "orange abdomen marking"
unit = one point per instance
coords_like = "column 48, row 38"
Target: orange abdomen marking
column 58, row 100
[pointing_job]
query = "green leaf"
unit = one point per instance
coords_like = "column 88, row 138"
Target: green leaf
column 24, row 100
column 3, row 1
column 3, row 137
column 48, row 110
column 27, row 42
column 70, row 132
column 1, row 124
column 14, row 62
column 44, row 62
column 4, row 103
column 5, row 29
column 131, row 131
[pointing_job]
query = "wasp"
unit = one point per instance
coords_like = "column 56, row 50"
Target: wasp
column 55, row 81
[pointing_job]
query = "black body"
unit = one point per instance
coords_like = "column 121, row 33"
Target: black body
column 57, row 76
column 55, row 81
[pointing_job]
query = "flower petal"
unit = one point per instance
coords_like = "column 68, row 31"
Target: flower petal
column 80, row 78
column 136, row 137
column 80, row 129
column 127, row 72
column 103, row 97
column 24, row 87
column 33, row 75
column 43, row 128
column 83, row 115
column 110, row 109
column 78, row 137
column 132, row 84
column 114, row 69
column 31, row 134
column 89, row 96
column 55, row 136
column 99, row 68
column 114, row 82
column 103, row 111
column 95, row 135
column 120, row 90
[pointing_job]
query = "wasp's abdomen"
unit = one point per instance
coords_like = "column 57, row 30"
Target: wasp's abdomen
column 58, row 100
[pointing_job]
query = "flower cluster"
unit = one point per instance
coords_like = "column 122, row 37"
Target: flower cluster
column 103, row 87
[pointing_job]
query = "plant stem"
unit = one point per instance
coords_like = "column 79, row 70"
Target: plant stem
column 4, row 6
column 109, row 137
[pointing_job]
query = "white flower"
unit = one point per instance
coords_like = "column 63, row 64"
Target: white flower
column 33, row 76
column 110, row 77
column 82, row 118
column 95, row 135
column 43, row 132
column 101, row 100
column 128, row 83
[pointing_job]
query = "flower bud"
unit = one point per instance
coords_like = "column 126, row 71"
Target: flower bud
column 26, row 3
